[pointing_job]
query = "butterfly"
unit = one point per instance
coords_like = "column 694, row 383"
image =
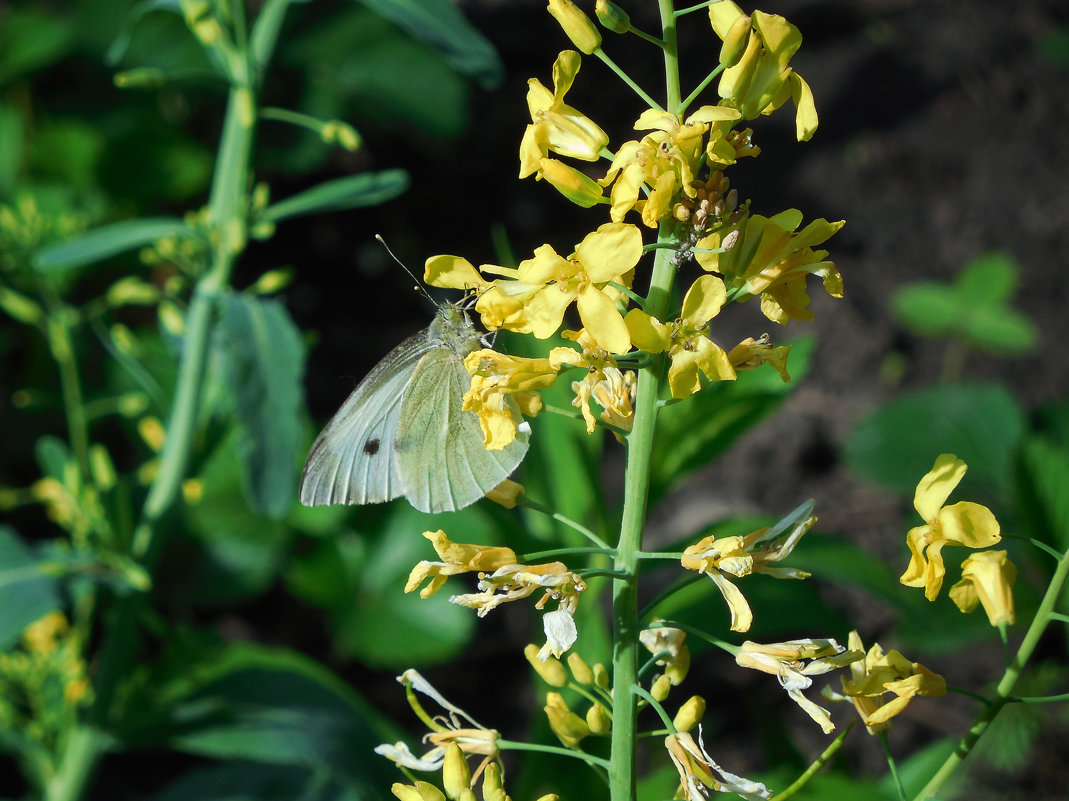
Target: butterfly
column 403, row 430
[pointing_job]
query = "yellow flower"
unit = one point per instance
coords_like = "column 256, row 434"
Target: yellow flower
column 603, row 381
column 689, row 349
column 752, row 353
column 456, row 558
column 964, row 523
column 580, row 189
column 501, row 388
column 768, row 257
column 759, row 80
column 987, row 578
column 699, row 773
column 879, row 673
column 555, row 126
column 456, row 727
column 515, row 581
column 576, row 25
column 665, row 160
column 741, row 556
column 785, row 661
column 537, row 293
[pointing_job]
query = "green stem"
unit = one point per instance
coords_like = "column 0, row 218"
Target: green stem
column 58, row 330
column 892, row 766
column 627, row 79
column 227, row 207
column 1004, row 690
column 625, row 592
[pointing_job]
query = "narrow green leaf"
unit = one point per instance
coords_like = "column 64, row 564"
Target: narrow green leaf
column 30, row 40
column 264, row 365
column 12, row 151
column 108, row 240
column 265, row 30
column 121, row 43
column 26, row 594
column 366, row 189
column 441, row 24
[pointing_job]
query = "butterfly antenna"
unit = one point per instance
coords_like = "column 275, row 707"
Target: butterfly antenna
column 419, row 284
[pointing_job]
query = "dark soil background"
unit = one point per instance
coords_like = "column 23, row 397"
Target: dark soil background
column 944, row 134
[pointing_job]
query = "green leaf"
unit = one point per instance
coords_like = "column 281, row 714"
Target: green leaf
column 255, row 781
column 26, row 594
column 121, row 42
column 52, row 455
column 11, row 153
column 264, row 34
column 1045, row 477
column 897, row 443
column 264, row 364
column 366, row 189
column 441, row 24
column 1000, row 329
column 277, row 707
column 107, row 241
column 989, row 279
column 926, row 308
column 233, row 552
column 30, row 40
column 693, row 432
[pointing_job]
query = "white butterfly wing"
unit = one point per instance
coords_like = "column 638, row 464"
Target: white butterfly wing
column 444, row 465
column 354, row 459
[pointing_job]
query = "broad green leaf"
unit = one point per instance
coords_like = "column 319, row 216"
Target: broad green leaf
column 990, row 279
column 693, row 432
column 380, row 624
column 264, row 359
column 926, row 308
column 441, row 23
column 916, row 770
column 366, row 189
column 256, row 781
column 233, row 552
column 277, row 707
column 26, row 594
column 107, row 241
column 30, row 40
column 896, row 444
column 1000, row 329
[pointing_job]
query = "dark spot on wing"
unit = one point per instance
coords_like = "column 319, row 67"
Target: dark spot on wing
column 371, row 447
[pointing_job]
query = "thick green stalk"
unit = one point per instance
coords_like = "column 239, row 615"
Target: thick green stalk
column 625, row 594
column 1004, row 690
column 88, row 742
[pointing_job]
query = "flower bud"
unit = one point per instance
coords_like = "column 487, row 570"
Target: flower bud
column 677, row 669
column 661, row 688
column 580, row 669
column 738, row 36
column 456, row 776
column 690, row 714
column 492, row 780
column 568, row 726
column 612, row 17
column 598, row 720
column 601, row 676
column 576, row 25
column 551, row 670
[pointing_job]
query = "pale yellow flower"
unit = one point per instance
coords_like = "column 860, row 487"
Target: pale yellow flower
column 568, row 726
column 881, row 674
column 456, row 558
column 786, row 661
column 456, row 726
column 503, row 387
column 771, row 259
column 964, row 523
column 752, row 353
column 691, row 352
column 555, row 126
column 987, row 578
column 736, row 556
column 666, row 643
column 603, row 381
column 699, row 773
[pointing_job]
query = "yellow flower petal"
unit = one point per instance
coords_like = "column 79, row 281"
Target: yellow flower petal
column 580, row 189
column 704, row 300
column 970, row 524
column 646, row 332
column 987, row 578
column 602, row 321
column 610, row 251
column 452, row 272
column 936, row 486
